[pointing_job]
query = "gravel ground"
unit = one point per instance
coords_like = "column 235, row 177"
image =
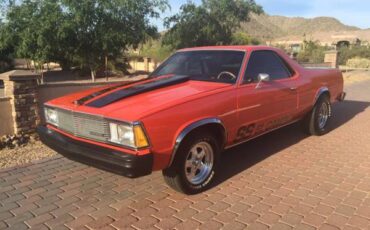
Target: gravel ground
column 24, row 155
column 38, row 151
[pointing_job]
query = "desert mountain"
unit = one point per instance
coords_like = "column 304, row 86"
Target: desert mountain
column 268, row 27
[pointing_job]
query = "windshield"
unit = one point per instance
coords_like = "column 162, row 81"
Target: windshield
column 216, row 66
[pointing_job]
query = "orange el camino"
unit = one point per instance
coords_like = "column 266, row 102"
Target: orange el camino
column 195, row 105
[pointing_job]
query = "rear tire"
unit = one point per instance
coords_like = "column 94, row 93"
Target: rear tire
column 316, row 122
column 195, row 164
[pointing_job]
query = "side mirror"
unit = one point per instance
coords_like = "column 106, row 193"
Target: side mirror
column 262, row 77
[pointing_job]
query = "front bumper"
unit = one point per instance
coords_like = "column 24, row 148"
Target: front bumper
column 125, row 164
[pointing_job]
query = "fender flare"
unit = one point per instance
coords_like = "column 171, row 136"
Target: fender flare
column 192, row 127
column 320, row 92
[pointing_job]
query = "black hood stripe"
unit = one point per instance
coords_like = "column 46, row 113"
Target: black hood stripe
column 136, row 89
column 103, row 91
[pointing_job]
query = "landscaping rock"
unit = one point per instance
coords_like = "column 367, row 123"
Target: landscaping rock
column 19, row 140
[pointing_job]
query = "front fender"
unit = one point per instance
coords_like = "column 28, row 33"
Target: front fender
column 181, row 136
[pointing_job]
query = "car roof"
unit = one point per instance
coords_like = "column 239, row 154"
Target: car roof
column 237, row 48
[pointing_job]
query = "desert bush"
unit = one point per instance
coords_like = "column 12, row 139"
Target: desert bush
column 358, row 62
column 346, row 53
column 312, row 52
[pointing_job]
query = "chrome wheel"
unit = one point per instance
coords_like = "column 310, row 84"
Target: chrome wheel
column 324, row 114
column 199, row 163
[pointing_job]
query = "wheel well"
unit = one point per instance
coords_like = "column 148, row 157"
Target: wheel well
column 217, row 130
column 321, row 94
column 326, row 93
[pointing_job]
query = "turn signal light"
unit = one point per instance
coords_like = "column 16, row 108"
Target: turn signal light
column 140, row 138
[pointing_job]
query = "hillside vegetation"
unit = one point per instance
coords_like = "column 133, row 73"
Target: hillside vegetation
column 271, row 27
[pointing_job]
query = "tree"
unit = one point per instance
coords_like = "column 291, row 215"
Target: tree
column 32, row 30
column 82, row 32
column 6, row 52
column 240, row 38
column 211, row 23
column 105, row 28
column 154, row 49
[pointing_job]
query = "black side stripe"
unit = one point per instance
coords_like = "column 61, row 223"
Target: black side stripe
column 136, row 89
column 93, row 95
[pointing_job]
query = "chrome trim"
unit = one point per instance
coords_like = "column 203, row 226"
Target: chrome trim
column 86, row 113
column 239, row 110
column 249, row 107
column 92, row 114
column 320, row 92
column 324, row 115
column 132, row 123
column 271, row 130
column 199, row 164
column 75, row 117
column 44, row 110
column 190, row 128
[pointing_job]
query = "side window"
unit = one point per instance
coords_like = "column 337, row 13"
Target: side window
column 194, row 67
column 266, row 62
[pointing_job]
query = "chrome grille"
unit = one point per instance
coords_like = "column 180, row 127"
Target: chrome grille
column 65, row 119
column 84, row 125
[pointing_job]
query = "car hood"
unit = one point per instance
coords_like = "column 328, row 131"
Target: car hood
column 136, row 100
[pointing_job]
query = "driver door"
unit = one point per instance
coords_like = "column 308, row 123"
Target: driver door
column 263, row 106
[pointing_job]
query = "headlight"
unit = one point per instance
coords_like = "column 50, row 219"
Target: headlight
column 128, row 135
column 51, row 116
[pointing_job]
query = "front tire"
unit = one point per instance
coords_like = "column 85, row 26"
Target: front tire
column 195, row 164
column 316, row 122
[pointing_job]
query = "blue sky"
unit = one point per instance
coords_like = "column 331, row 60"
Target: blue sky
column 350, row 12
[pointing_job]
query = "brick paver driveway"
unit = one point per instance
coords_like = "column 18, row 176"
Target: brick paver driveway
column 279, row 181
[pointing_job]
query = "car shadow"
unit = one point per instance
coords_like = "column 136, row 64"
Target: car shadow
column 244, row 156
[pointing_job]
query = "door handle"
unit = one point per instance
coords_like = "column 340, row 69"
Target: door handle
column 293, row 88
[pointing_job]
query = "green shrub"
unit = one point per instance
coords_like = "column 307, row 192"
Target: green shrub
column 312, row 52
column 240, row 38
